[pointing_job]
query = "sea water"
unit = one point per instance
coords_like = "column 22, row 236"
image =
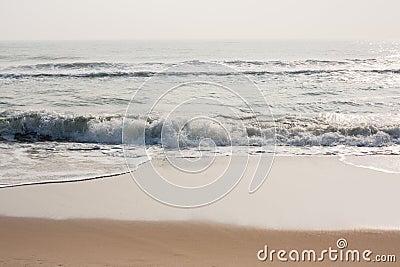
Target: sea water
column 63, row 104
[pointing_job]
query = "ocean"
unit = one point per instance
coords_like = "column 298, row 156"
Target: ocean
column 65, row 106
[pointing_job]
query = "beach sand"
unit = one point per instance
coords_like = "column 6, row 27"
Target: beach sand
column 306, row 202
column 42, row 242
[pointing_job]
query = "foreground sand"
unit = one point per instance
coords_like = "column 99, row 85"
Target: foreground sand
column 305, row 203
column 41, row 242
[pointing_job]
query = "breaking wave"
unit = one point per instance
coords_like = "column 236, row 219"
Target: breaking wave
column 323, row 130
column 152, row 73
column 248, row 67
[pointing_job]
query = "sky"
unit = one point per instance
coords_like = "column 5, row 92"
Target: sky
column 201, row 19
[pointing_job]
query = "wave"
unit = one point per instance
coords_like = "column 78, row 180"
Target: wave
column 79, row 65
column 46, row 57
column 323, row 71
column 251, row 67
column 289, row 63
column 153, row 73
column 70, row 65
column 103, row 64
column 51, row 126
column 77, row 75
column 305, row 62
column 322, row 130
column 331, row 129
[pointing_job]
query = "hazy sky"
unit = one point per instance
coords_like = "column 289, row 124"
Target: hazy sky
column 201, row 19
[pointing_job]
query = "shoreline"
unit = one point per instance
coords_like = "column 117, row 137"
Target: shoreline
column 78, row 180
column 300, row 193
column 342, row 158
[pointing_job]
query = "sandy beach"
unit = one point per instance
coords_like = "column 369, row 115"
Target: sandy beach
column 41, row 242
column 310, row 193
column 199, row 133
column 110, row 221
